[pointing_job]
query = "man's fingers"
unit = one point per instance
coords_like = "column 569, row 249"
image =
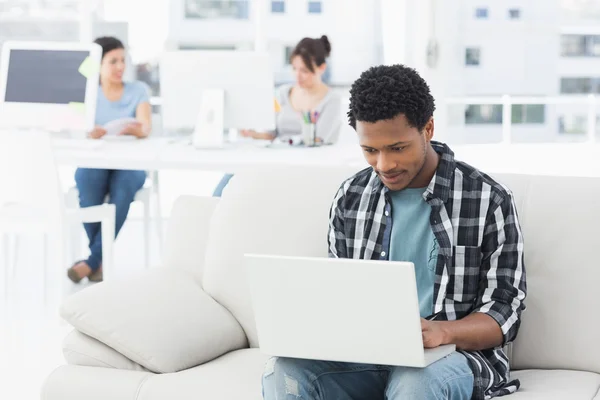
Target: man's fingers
column 426, row 340
column 424, row 324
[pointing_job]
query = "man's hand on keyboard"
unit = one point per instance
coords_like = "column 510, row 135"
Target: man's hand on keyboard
column 97, row 132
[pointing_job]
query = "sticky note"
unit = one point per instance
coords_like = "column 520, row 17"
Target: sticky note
column 88, row 67
column 79, row 107
column 277, row 106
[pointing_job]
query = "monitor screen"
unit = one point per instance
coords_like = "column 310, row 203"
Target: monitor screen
column 45, row 76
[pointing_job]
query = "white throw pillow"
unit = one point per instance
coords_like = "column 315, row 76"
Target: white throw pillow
column 162, row 320
column 81, row 349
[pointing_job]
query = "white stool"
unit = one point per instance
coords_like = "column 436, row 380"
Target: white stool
column 143, row 196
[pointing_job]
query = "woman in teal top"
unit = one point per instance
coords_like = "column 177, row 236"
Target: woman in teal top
column 116, row 100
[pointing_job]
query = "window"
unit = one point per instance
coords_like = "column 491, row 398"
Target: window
column 483, row 114
column 149, row 73
column 572, row 45
column 572, row 124
column 577, row 85
column 578, row 10
column 40, row 21
column 528, row 113
column 580, row 45
column 514, row 13
column 314, row 7
column 288, row 54
column 278, row 7
column 207, row 9
column 472, row 56
column 481, row 13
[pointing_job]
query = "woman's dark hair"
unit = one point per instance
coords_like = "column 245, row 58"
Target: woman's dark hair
column 312, row 51
column 108, row 44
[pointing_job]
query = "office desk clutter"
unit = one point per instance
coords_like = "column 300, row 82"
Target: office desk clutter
column 116, row 127
column 309, row 134
column 209, row 93
column 294, row 125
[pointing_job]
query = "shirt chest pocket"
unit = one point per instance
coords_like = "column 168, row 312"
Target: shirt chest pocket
column 463, row 281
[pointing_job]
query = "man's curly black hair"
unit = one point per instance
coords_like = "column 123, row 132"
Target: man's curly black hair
column 383, row 92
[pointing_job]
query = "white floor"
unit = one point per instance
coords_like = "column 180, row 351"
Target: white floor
column 30, row 332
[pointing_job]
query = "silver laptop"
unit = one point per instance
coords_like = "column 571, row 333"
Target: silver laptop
column 339, row 310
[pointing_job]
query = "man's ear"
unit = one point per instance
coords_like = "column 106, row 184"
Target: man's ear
column 429, row 128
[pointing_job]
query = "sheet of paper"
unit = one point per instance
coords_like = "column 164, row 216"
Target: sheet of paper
column 113, row 128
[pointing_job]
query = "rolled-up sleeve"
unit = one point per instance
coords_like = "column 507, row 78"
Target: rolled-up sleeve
column 503, row 294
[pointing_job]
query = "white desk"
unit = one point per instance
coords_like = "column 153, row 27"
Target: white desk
column 134, row 154
column 162, row 153
column 239, row 157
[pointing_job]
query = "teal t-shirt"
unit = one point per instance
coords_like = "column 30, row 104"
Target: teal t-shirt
column 413, row 240
column 134, row 93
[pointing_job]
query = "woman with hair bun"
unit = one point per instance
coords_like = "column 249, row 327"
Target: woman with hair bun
column 308, row 94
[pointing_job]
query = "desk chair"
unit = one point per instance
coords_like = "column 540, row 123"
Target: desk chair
column 144, row 196
column 31, row 201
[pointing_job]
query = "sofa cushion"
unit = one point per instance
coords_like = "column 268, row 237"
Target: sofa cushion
column 162, row 320
column 81, row 349
column 560, row 325
column 73, row 382
column 235, row 376
column 556, row 385
column 187, row 233
column 280, row 212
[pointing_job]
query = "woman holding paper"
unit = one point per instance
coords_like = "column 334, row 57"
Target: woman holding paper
column 123, row 108
column 308, row 101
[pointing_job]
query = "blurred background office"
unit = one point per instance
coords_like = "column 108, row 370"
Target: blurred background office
column 502, row 71
column 467, row 49
column 505, row 72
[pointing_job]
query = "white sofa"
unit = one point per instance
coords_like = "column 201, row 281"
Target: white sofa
column 186, row 331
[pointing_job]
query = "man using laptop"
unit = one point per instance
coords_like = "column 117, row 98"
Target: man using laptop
column 457, row 225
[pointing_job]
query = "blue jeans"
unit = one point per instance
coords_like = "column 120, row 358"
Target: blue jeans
column 287, row 379
column 93, row 186
column 224, row 181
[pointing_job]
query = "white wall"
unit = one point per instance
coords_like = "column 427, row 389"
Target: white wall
column 518, row 57
column 353, row 33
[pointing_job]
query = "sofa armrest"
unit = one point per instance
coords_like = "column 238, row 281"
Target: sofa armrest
column 161, row 320
column 187, row 233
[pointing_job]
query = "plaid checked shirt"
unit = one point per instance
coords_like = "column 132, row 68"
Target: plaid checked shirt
column 480, row 261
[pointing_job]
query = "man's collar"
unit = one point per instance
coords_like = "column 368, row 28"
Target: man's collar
column 440, row 185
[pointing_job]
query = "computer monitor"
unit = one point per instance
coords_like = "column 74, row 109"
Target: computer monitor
column 49, row 86
column 245, row 78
